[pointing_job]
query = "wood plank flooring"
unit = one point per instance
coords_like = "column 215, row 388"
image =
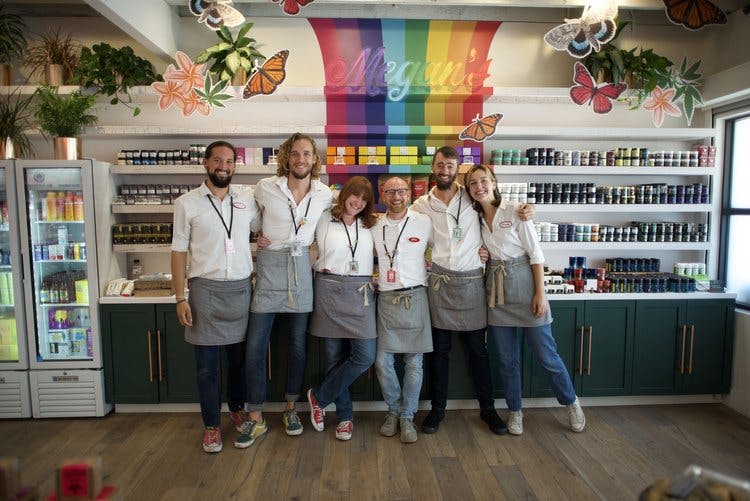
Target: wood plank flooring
column 622, row 450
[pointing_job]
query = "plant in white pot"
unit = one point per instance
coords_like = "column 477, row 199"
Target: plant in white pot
column 64, row 118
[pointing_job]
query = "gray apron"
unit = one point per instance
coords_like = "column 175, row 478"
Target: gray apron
column 283, row 282
column 510, row 289
column 457, row 300
column 404, row 321
column 344, row 307
column 220, row 311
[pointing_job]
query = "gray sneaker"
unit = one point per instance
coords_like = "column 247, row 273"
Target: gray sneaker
column 515, row 423
column 390, row 426
column 408, row 431
column 292, row 423
column 575, row 417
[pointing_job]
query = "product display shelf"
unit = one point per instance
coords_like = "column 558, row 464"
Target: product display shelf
column 142, row 209
column 620, row 135
column 621, row 208
column 377, row 169
column 651, row 246
column 578, row 170
column 265, row 170
column 150, row 248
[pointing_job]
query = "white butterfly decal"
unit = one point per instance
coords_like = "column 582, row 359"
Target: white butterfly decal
column 216, row 13
column 579, row 37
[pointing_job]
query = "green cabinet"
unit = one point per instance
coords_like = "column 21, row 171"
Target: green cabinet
column 595, row 341
column 146, row 359
column 683, row 346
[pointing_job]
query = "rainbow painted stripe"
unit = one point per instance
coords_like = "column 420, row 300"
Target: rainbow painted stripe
column 403, row 82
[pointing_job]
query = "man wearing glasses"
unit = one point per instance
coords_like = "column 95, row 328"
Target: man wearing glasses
column 401, row 238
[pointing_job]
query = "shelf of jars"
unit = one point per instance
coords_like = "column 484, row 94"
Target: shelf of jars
column 620, row 208
column 652, row 246
column 578, row 170
column 151, row 248
column 267, row 170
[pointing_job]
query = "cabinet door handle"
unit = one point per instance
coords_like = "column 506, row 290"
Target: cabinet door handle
column 692, row 338
column 150, row 359
column 682, row 356
column 158, row 353
column 580, row 354
column 369, row 373
column 591, row 331
column 268, row 359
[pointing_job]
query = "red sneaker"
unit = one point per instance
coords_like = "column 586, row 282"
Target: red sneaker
column 240, row 419
column 344, row 430
column 317, row 414
column 212, row 439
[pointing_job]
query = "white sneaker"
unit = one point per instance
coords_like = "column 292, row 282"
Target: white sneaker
column 576, row 417
column 515, row 423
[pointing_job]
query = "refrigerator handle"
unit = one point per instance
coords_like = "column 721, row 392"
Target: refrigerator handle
column 150, row 359
column 158, row 353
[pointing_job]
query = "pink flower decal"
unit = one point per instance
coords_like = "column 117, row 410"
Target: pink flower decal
column 189, row 74
column 660, row 103
column 170, row 92
column 193, row 102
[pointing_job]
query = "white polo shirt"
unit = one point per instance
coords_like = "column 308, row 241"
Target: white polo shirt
column 281, row 214
column 510, row 237
column 448, row 251
column 337, row 241
column 408, row 253
column 199, row 230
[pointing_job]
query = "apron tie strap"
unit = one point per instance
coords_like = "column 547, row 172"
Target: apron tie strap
column 406, row 298
column 364, row 291
column 497, row 295
column 291, row 269
column 437, row 278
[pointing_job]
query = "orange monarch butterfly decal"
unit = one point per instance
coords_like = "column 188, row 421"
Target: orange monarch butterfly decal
column 694, row 14
column 481, row 128
column 266, row 79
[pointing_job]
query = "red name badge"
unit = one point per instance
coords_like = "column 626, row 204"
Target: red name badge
column 391, row 276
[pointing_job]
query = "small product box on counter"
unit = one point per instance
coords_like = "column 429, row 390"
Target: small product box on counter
column 341, row 155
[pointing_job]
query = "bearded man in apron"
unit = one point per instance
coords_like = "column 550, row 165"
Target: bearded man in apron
column 401, row 238
column 291, row 202
column 211, row 237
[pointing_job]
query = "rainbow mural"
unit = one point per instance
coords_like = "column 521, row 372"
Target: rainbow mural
column 403, row 82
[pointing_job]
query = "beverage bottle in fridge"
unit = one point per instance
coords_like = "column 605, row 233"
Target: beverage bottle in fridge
column 78, row 206
column 51, row 202
column 44, row 292
column 69, row 206
column 54, row 292
column 60, row 206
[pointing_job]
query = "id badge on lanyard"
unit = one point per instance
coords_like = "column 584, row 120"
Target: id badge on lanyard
column 229, row 246
column 296, row 248
column 457, row 233
column 390, row 276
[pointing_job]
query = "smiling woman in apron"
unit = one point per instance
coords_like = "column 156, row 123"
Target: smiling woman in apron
column 344, row 311
column 516, row 299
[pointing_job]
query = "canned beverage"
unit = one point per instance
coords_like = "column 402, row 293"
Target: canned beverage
column 82, row 251
column 37, row 252
column 76, row 251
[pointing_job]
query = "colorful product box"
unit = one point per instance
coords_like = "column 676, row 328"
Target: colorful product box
column 341, row 155
column 430, row 150
column 79, row 479
column 426, row 159
column 403, row 151
column 372, row 155
column 404, row 160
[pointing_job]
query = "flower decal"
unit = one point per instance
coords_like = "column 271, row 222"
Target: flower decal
column 170, row 93
column 660, row 103
column 189, row 74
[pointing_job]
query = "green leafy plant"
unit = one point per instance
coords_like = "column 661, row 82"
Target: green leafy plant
column 213, row 94
column 16, row 118
column 231, row 54
column 12, row 35
column 114, row 71
column 63, row 115
column 53, row 48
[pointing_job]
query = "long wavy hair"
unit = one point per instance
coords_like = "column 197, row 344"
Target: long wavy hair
column 496, row 193
column 286, row 148
column 357, row 186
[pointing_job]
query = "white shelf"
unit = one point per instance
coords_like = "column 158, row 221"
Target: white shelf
column 267, row 170
column 603, row 133
column 621, row 208
column 142, row 209
column 581, row 171
column 58, row 305
column 230, row 131
column 652, row 246
column 59, row 222
column 588, row 296
column 60, row 261
column 142, row 248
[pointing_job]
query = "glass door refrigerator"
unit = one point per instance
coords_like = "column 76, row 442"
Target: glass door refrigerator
column 61, row 286
column 15, row 399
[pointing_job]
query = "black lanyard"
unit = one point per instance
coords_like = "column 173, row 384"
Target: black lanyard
column 458, row 214
column 395, row 247
column 231, row 218
column 304, row 218
column 353, row 249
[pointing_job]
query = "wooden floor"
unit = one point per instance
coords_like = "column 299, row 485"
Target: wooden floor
column 622, row 450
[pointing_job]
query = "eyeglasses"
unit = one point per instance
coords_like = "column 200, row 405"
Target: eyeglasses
column 393, row 192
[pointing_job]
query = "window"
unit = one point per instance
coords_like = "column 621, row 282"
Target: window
column 734, row 260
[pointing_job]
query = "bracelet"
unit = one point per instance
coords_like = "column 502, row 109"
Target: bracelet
column 180, row 301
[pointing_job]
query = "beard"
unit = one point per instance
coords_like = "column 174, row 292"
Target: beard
column 299, row 175
column 445, row 185
column 219, row 182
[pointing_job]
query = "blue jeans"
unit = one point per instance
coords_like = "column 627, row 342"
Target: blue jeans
column 209, row 387
column 507, row 346
column 258, row 333
column 346, row 360
column 402, row 403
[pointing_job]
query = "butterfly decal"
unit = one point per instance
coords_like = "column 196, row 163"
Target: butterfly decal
column 216, row 13
column 585, row 90
column 266, row 78
column 694, row 14
column 292, row 7
column 480, row 128
column 580, row 36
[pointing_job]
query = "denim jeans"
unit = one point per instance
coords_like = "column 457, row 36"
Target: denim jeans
column 209, row 387
column 258, row 333
column 402, row 403
column 543, row 345
column 346, row 360
column 479, row 362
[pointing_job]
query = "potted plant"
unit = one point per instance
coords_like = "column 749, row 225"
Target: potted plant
column 64, row 118
column 112, row 72
column 233, row 58
column 55, row 55
column 15, row 120
column 12, row 42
